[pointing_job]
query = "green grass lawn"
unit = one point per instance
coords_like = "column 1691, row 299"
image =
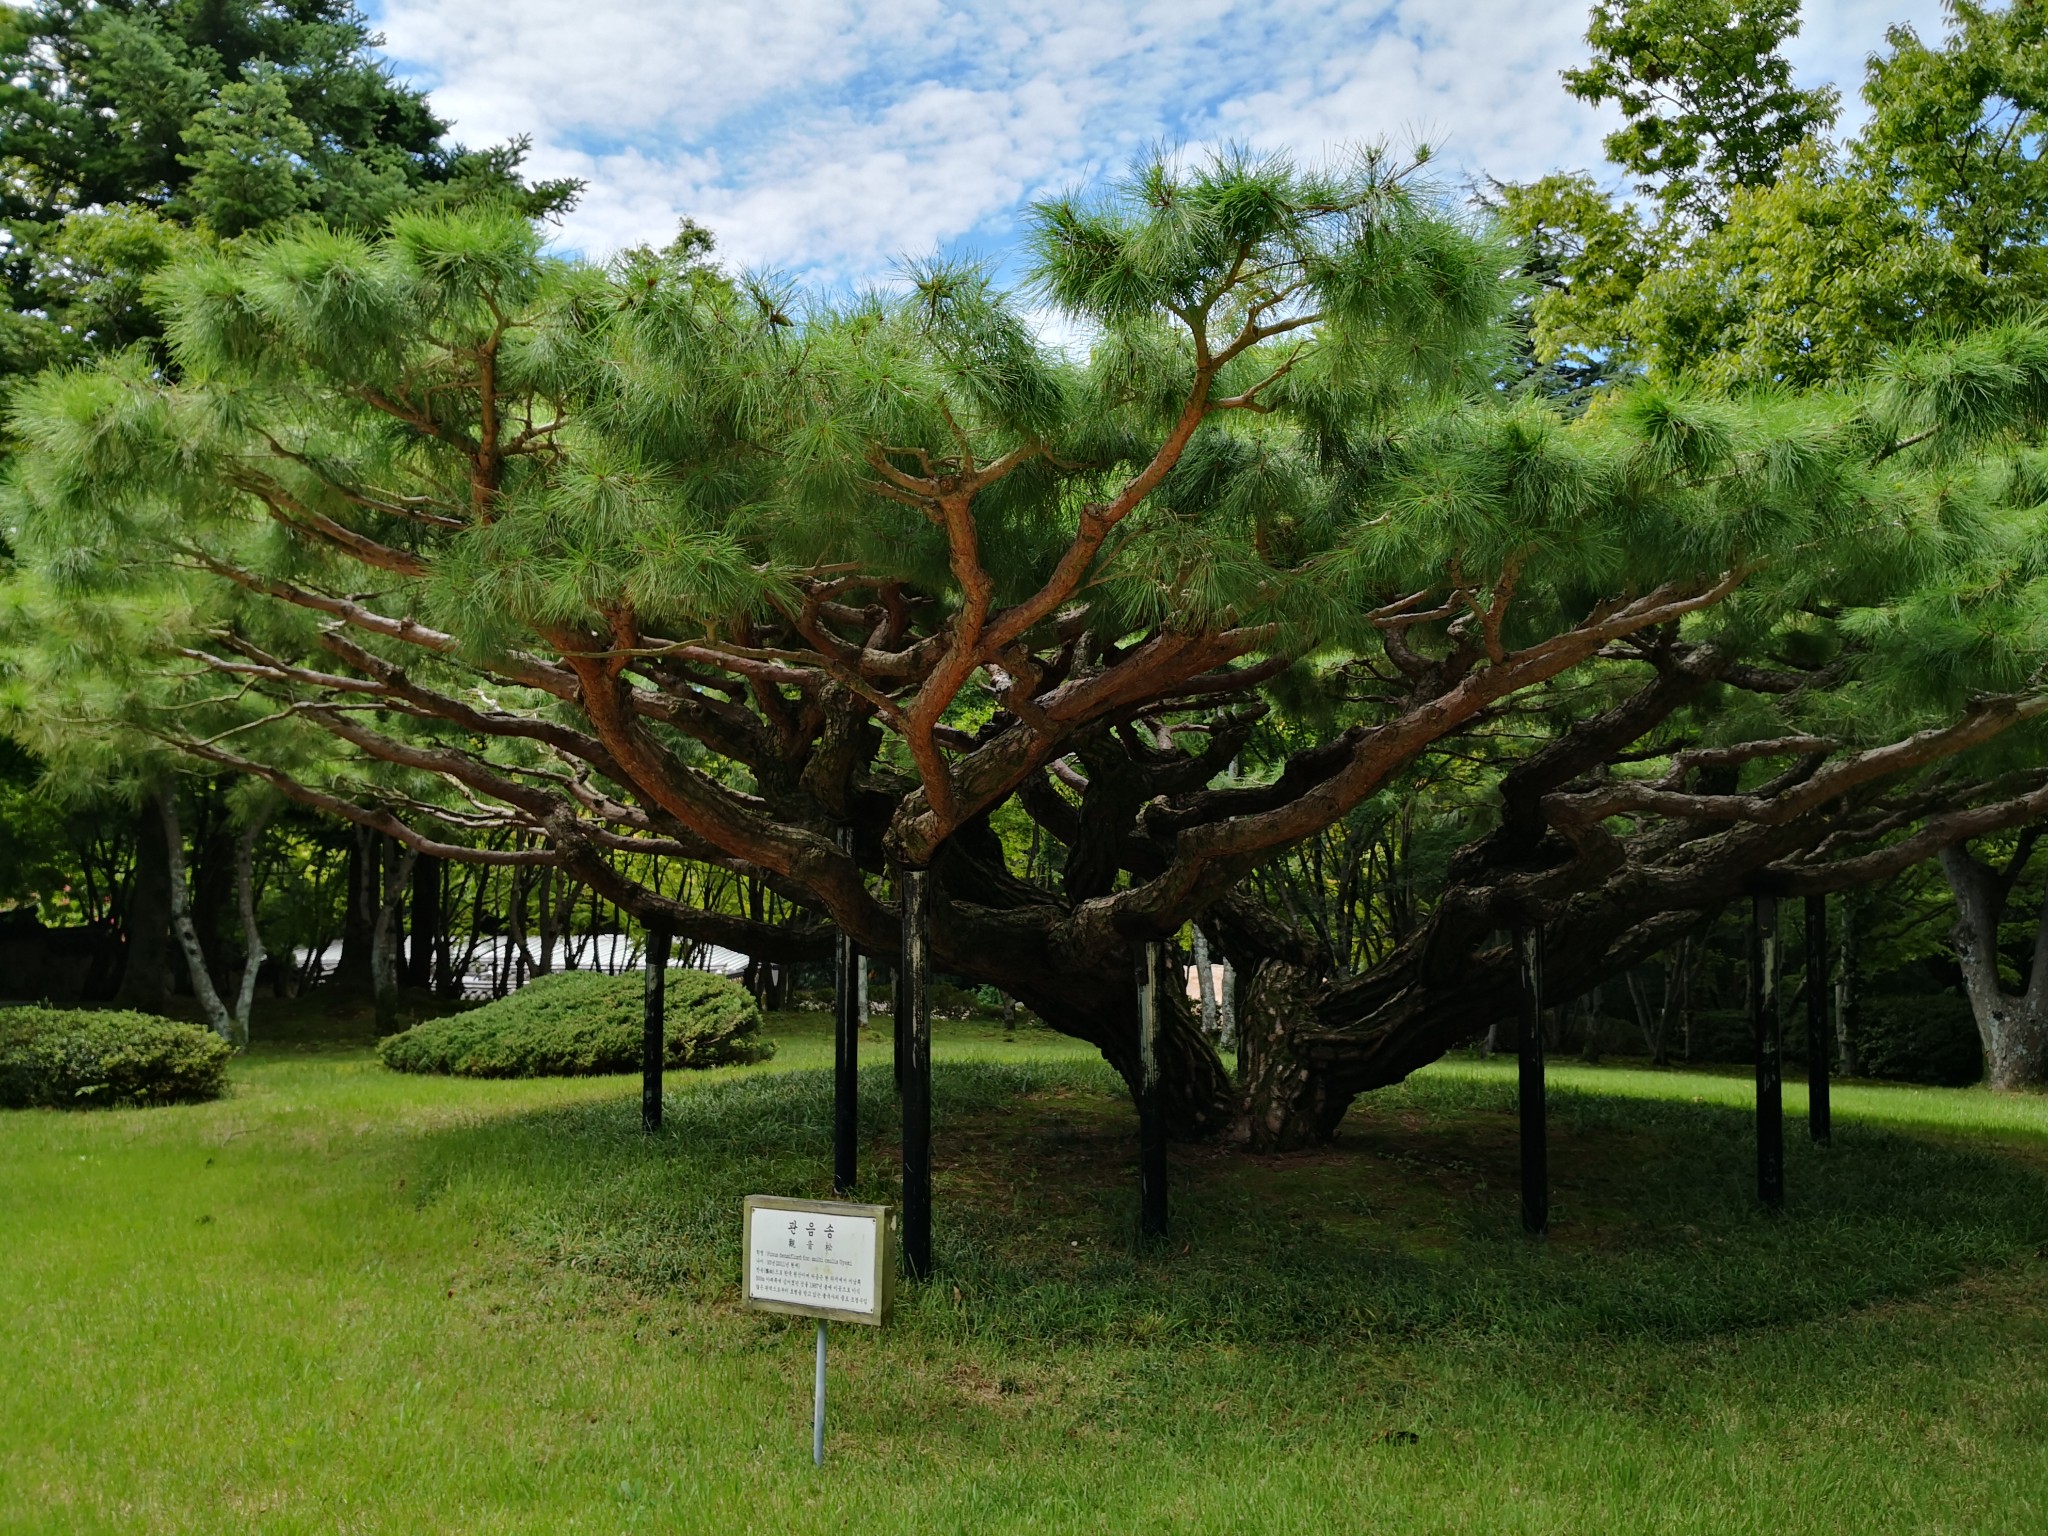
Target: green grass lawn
column 347, row 1300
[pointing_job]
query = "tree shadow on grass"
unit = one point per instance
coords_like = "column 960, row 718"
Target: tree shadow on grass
column 1406, row 1226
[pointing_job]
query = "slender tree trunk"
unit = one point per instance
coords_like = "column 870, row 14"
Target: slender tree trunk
column 1847, row 997
column 1151, row 979
column 1205, row 982
column 653, row 1028
column 181, row 918
column 252, row 934
column 1685, row 995
column 756, row 976
column 1227, row 1008
column 550, row 928
column 146, row 966
column 1819, row 1100
column 384, row 947
column 520, row 962
column 1647, row 1019
column 1532, row 1100
column 1768, row 1029
column 211, row 881
column 846, row 1022
column 355, row 970
column 914, row 1010
column 428, row 937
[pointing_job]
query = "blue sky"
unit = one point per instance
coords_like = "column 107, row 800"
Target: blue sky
column 828, row 138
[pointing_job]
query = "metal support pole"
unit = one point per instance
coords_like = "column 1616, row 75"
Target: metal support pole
column 653, row 1031
column 1534, row 1109
column 1770, row 1043
column 1820, row 1120
column 845, row 1054
column 818, row 1404
column 1151, row 969
column 915, row 1021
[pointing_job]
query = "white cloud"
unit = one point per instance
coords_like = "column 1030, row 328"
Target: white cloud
column 829, row 137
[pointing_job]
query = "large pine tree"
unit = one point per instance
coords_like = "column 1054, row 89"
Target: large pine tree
column 461, row 542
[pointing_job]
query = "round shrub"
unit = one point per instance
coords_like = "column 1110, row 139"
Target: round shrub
column 583, row 1023
column 66, row 1058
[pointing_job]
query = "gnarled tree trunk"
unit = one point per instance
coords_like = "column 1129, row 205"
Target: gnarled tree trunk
column 2012, row 1026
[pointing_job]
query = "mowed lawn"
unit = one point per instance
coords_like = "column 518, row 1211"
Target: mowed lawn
column 344, row 1300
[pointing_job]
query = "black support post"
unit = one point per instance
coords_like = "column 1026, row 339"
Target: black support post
column 1151, row 969
column 846, row 1023
column 1819, row 1111
column 1534, row 1110
column 653, row 1030
column 914, row 1021
column 1770, row 1045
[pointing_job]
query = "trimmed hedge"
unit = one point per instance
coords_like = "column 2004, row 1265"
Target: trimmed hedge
column 583, row 1024
column 64, row 1058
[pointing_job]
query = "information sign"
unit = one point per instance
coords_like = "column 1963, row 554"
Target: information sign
column 820, row 1258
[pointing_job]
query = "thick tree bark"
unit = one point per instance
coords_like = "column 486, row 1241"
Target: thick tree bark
column 1288, row 1101
column 2013, row 1027
column 146, row 966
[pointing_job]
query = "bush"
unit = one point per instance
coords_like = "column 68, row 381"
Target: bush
column 67, row 1059
column 1930, row 1038
column 582, row 1024
column 1719, row 1034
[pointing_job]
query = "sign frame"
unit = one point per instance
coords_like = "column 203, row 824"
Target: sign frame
column 884, row 1217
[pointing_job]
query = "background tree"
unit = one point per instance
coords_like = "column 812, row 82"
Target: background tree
column 124, row 121
column 131, row 133
column 1707, row 95
column 1929, row 220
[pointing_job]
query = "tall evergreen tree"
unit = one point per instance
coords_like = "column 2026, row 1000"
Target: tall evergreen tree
column 124, row 122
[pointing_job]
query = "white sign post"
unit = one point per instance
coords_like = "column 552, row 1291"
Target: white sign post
column 828, row 1259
